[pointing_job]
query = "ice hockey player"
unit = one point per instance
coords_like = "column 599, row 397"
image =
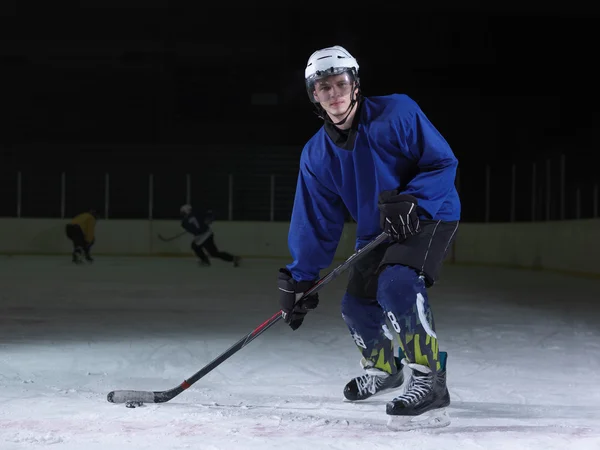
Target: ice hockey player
column 383, row 160
column 199, row 226
column 82, row 233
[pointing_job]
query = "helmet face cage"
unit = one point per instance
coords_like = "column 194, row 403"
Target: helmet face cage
column 320, row 74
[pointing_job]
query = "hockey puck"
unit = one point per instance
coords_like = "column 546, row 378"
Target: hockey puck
column 133, row 404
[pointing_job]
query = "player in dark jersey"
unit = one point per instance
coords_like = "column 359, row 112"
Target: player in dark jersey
column 198, row 224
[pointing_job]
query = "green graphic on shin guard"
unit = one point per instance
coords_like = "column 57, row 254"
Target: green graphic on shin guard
column 379, row 352
column 418, row 341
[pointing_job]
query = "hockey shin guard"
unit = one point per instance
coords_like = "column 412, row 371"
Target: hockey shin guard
column 365, row 320
column 403, row 295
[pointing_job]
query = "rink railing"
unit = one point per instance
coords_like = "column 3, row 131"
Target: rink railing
column 186, row 198
column 536, row 191
column 541, row 186
column 521, row 244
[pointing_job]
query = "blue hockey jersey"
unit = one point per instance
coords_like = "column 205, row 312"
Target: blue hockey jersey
column 395, row 146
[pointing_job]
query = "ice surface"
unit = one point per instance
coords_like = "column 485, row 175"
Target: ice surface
column 523, row 370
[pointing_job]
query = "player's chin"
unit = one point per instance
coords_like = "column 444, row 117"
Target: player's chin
column 337, row 111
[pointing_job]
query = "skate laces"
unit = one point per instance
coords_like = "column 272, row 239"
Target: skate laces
column 419, row 386
column 369, row 382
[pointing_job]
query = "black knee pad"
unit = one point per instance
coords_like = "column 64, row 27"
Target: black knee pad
column 362, row 276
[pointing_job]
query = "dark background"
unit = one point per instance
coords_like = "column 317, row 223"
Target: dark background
column 138, row 88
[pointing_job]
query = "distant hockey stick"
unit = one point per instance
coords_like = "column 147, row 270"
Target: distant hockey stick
column 164, row 396
column 164, row 239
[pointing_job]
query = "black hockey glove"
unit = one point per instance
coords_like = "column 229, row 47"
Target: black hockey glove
column 398, row 216
column 290, row 292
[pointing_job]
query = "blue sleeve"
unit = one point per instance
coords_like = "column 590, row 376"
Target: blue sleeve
column 436, row 161
column 316, row 225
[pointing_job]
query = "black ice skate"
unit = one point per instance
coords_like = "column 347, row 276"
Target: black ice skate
column 77, row 256
column 424, row 402
column 373, row 382
column 236, row 261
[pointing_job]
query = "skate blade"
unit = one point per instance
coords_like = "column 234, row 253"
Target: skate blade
column 432, row 419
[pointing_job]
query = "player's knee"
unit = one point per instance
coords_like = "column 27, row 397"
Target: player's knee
column 354, row 307
column 398, row 287
column 348, row 305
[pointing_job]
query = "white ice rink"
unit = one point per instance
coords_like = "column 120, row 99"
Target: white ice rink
column 523, row 369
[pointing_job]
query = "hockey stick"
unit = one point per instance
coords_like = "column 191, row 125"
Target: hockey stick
column 164, row 239
column 127, row 396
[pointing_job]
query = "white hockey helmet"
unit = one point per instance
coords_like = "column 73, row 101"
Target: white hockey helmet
column 326, row 62
column 185, row 209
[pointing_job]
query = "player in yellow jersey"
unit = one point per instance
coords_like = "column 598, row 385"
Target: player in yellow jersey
column 81, row 231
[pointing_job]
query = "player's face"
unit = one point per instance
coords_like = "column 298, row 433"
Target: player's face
column 334, row 94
